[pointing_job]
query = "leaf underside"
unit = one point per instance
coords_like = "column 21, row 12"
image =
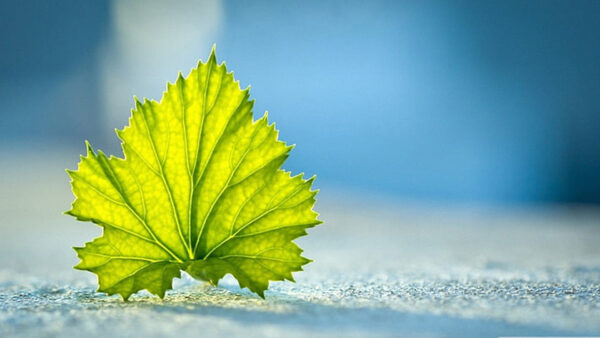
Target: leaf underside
column 199, row 189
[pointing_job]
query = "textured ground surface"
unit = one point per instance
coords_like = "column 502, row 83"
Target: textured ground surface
column 381, row 269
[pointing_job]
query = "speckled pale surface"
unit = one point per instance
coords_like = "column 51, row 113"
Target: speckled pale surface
column 381, row 268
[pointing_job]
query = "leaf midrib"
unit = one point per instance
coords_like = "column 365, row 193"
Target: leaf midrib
column 225, row 186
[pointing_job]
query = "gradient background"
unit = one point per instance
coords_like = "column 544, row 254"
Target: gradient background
column 435, row 101
column 456, row 144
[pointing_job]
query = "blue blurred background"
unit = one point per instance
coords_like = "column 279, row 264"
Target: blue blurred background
column 445, row 101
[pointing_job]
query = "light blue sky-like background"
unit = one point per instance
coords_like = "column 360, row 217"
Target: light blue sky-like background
column 446, row 101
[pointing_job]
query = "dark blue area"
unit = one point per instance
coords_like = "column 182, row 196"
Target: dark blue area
column 47, row 38
column 48, row 73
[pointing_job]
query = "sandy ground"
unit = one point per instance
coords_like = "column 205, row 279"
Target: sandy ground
column 382, row 268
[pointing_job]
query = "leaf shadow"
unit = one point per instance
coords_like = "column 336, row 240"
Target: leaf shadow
column 329, row 317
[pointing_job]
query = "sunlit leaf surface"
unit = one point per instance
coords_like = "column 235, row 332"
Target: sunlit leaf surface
column 199, row 189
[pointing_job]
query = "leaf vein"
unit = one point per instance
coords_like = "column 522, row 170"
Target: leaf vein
column 175, row 215
column 253, row 221
column 225, row 187
column 131, row 209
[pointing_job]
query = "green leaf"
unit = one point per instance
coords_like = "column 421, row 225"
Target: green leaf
column 199, row 189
